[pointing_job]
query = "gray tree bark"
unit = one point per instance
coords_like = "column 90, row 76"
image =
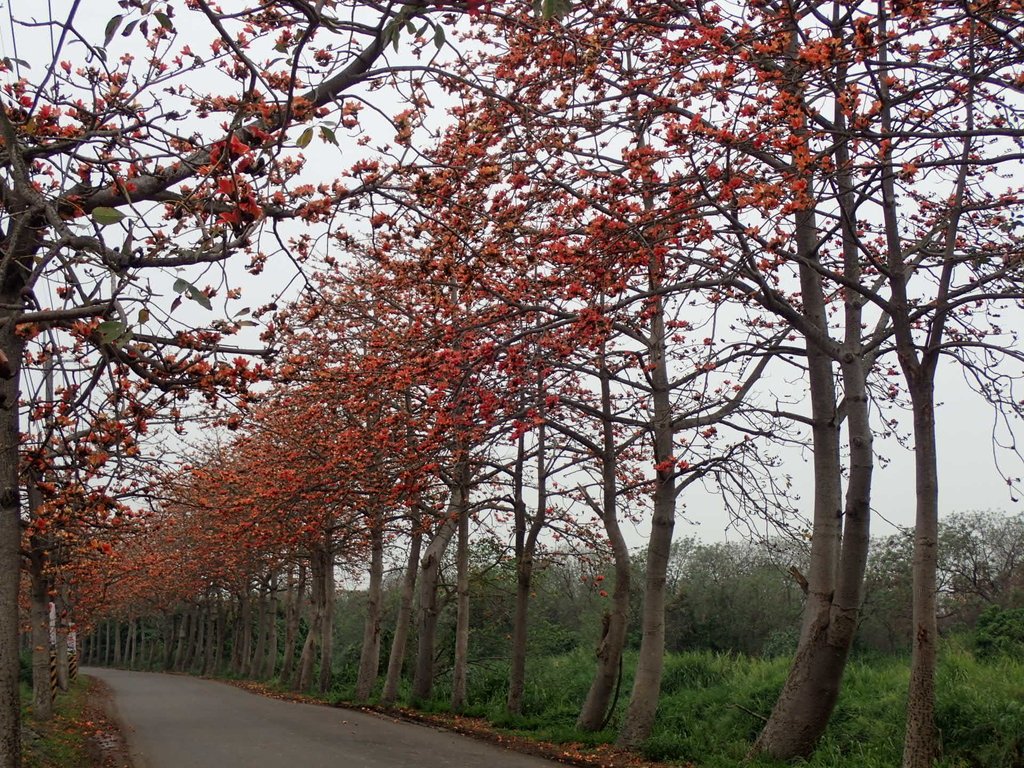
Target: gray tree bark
column 613, row 636
column 39, row 611
column 404, row 619
column 307, row 659
column 293, row 609
column 11, row 349
column 460, row 667
column 255, row 662
column 643, row 702
column 181, row 647
column 369, row 658
column 327, row 625
column 270, row 657
column 63, row 673
column 131, row 646
column 213, row 624
column 840, row 533
column 525, row 549
column 430, row 570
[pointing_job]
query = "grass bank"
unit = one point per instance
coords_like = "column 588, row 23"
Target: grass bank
column 64, row 741
column 713, row 705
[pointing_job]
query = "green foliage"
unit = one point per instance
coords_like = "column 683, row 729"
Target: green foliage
column 980, row 709
column 1000, row 632
column 733, row 615
column 25, row 668
column 736, row 596
column 714, row 704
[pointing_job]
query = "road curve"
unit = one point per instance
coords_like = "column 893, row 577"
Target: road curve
column 174, row 721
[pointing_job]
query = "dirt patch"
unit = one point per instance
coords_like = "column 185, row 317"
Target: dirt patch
column 107, row 746
column 585, row 756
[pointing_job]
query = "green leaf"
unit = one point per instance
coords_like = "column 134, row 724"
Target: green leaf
column 393, row 31
column 305, row 138
column 104, row 216
column 438, row 36
column 10, row 62
column 127, row 31
column 328, row 135
column 165, row 20
column 111, row 330
column 111, row 30
column 199, row 297
column 184, row 286
column 555, row 9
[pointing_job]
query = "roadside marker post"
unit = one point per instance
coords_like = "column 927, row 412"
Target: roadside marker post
column 53, row 672
column 72, row 654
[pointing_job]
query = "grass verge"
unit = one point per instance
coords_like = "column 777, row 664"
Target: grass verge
column 62, row 742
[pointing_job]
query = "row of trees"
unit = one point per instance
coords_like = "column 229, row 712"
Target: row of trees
column 651, row 245
column 737, row 597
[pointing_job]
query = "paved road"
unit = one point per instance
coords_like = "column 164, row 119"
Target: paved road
column 173, row 721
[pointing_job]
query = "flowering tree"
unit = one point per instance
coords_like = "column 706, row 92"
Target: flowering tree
column 139, row 157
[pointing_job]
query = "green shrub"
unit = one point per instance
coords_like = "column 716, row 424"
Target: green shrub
column 1000, row 632
column 980, row 710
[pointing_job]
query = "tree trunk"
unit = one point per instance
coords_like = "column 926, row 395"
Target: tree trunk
column 108, row 646
column 835, row 580
column 292, row 612
column 920, row 745
column 327, row 625
column 118, row 655
column 181, row 652
column 11, row 347
column 170, row 626
column 643, row 702
column 195, row 645
column 809, row 695
column 404, row 619
column 524, row 573
column 526, row 547
column 39, row 604
column 131, row 646
column 270, row 655
column 235, row 660
column 840, row 537
column 369, row 657
column 461, row 664
column 144, row 645
column 308, row 658
column 63, row 673
column 613, row 636
column 430, row 571
column 213, row 622
column 244, row 634
column 254, row 663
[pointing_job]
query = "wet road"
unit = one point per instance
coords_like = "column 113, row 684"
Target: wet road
column 174, row 721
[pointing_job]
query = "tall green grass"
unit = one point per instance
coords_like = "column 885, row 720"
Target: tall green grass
column 713, row 705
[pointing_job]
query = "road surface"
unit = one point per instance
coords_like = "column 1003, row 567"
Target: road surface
column 174, row 721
